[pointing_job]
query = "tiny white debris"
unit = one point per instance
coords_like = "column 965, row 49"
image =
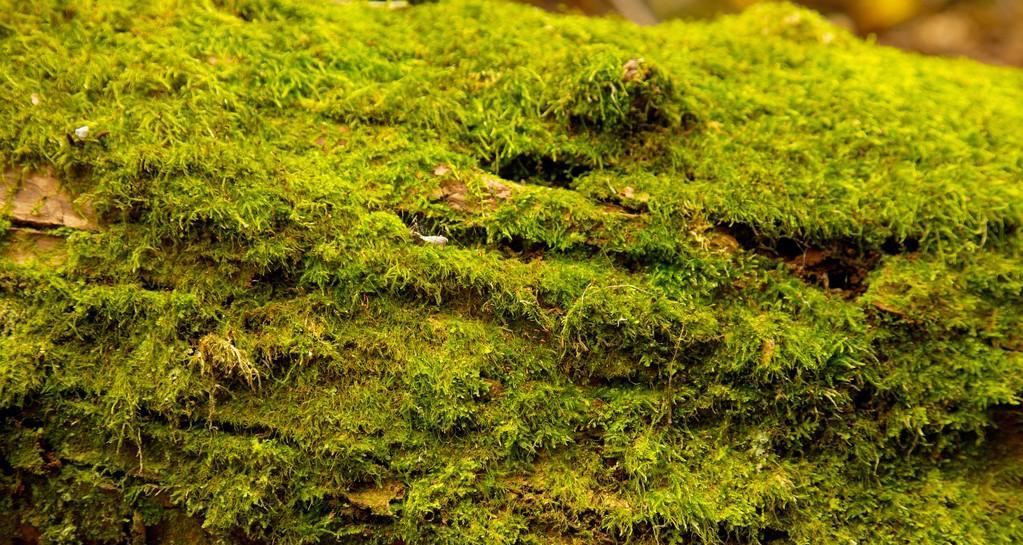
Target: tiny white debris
column 435, row 240
column 82, row 132
column 35, row 99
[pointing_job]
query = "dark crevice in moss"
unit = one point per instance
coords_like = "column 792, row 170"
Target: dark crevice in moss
column 772, row 535
column 893, row 246
column 210, row 422
column 839, row 265
column 34, row 226
column 1008, row 430
column 524, row 249
column 548, row 170
column 278, row 280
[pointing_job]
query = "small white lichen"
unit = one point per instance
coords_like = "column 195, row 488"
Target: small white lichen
column 82, row 132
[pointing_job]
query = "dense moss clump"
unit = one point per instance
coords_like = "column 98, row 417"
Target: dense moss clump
column 749, row 281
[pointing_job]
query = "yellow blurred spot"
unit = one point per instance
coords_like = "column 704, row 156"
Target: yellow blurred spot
column 873, row 15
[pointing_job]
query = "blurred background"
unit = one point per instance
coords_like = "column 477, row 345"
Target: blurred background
column 987, row 30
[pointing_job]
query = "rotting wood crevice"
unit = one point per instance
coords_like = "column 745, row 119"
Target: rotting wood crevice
column 840, row 265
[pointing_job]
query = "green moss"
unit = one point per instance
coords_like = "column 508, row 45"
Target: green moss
column 745, row 281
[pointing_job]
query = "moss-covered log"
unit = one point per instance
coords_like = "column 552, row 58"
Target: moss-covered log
column 749, row 281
